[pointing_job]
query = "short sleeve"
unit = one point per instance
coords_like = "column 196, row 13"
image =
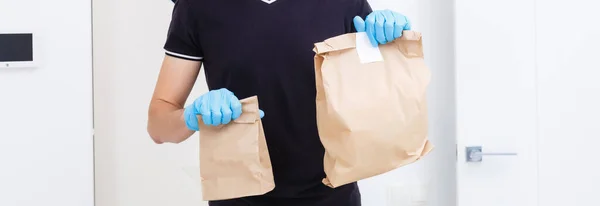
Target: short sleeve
column 182, row 37
column 363, row 9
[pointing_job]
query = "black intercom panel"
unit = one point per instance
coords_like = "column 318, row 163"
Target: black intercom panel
column 16, row 47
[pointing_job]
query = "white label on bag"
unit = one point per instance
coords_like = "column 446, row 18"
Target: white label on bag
column 367, row 53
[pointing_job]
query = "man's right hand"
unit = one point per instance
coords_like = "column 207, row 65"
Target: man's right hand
column 216, row 107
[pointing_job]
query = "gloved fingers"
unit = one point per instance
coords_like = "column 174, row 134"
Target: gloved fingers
column 261, row 113
column 359, row 24
column 379, row 30
column 370, row 28
column 225, row 106
column 226, row 114
column 235, row 106
column 388, row 25
column 215, row 108
column 401, row 24
column 203, row 109
column 398, row 25
column 191, row 118
column 408, row 25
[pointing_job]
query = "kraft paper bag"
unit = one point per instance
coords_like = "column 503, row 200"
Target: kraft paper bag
column 371, row 105
column 234, row 159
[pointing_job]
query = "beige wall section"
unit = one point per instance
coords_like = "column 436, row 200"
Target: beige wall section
column 130, row 169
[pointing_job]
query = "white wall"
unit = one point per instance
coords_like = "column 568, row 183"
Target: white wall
column 531, row 69
column 496, row 101
column 132, row 170
column 46, row 151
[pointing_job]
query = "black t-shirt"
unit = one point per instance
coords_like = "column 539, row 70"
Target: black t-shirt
column 253, row 47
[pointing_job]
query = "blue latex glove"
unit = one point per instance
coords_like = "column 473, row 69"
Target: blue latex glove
column 382, row 26
column 216, row 107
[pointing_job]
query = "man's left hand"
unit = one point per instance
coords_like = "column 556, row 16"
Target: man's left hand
column 382, row 26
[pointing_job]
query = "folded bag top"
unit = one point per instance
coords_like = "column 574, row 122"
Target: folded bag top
column 410, row 44
column 372, row 117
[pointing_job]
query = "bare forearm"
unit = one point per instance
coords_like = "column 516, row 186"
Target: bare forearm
column 166, row 123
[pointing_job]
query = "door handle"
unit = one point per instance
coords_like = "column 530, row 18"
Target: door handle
column 475, row 154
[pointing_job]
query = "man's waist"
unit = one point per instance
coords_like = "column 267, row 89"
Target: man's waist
column 309, row 190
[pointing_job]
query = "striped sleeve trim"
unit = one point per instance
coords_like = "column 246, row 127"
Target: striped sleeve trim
column 183, row 56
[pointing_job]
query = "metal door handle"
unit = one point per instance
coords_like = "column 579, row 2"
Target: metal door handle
column 475, row 154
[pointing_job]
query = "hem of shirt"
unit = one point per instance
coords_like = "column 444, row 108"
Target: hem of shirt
column 183, row 56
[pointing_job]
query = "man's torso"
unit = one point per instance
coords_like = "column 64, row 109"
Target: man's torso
column 254, row 48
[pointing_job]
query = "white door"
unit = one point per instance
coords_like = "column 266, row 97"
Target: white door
column 569, row 101
column 496, row 103
column 527, row 83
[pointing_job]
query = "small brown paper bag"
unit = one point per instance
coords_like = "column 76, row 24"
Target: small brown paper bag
column 234, row 159
column 372, row 117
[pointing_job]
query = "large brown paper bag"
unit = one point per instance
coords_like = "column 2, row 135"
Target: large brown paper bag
column 234, row 159
column 372, row 117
